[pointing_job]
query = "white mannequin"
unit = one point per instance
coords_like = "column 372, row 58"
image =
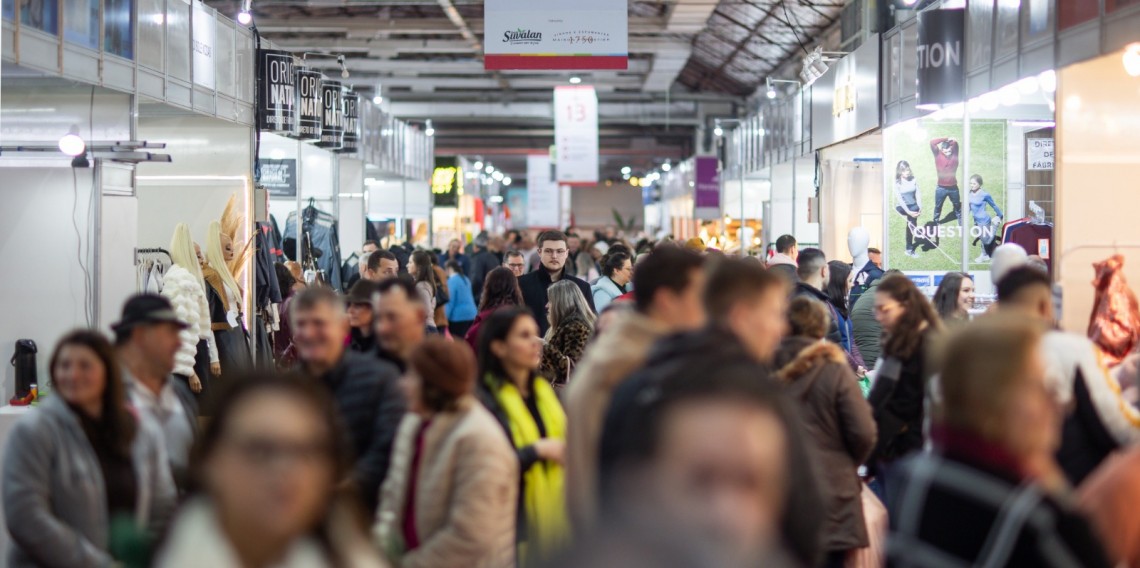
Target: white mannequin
column 857, row 242
column 1005, row 258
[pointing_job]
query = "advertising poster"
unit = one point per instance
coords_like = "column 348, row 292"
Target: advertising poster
column 933, row 202
column 278, row 176
column 556, row 34
column 576, row 132
column 706, row 188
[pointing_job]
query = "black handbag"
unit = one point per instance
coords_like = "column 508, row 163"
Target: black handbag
column 24, row 359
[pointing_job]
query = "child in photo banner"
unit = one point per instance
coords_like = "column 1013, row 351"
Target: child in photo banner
column 983, row 222
column 907, row 196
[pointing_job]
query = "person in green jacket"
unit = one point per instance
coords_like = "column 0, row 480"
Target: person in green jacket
column 866, row 332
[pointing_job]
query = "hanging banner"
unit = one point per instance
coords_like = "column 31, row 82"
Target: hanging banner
column 941, row 80
column 706, row 190
column 555, row 34
column 277, row 96
column 278, row 176
column 203, row 45
column 310, row 105
column 332, row 115
column 542, row 200
column 351, row 139
column 576, row 135
column 446, row 182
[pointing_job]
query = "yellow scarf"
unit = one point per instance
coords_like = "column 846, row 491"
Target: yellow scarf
column 544, row 497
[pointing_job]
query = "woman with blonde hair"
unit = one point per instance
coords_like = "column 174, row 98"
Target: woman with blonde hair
column 184, row 288
column 571, row 325
column 224, row 297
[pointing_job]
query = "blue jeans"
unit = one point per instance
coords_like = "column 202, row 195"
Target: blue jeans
column 941, row 194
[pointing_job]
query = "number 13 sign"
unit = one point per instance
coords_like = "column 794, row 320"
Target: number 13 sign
column 576, row 135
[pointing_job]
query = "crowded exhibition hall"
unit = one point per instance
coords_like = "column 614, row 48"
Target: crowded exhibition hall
column 569, row 284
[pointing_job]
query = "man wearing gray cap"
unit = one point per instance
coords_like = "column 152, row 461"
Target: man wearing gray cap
column 146, row 342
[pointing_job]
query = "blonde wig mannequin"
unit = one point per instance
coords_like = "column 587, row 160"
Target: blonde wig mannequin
column 217, row 259
column 182, row 251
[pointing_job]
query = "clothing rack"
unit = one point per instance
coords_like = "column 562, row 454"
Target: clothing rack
column 150, row 268
column 154, row 250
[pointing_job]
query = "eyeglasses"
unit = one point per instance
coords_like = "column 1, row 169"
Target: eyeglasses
column 265, row 452
column 554, row 252
column 515, row 265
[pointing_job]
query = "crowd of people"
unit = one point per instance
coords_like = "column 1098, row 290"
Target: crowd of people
column 556, row 401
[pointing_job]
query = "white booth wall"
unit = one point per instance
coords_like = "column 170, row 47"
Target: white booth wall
column 793, row 186
column 1098, row 131
column 318, row 175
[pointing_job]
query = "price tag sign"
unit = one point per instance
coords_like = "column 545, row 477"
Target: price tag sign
column 576, row 135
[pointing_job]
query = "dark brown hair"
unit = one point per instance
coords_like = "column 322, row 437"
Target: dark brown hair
column 552, row 235
column 117, row 425
column 808, row 318
column 424, row 272
column 447, row 372
column 902, row 341
column 733, row 281
column 500, row 288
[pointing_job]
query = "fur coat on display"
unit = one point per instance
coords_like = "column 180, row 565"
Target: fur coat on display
column 188, row 297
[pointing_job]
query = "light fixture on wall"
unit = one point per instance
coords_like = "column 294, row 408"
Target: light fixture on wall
column 428, row 128
column 771, row 89
column 507, row 180
column 1131, row 59
column 478, row 165
column 626, row 170
column 575, row 80
column 343, row 67
column 71, row 144
column 498, row 176
column 378, row 98
column 717, row 130
column 245, row 17
column 771, row 83
column 489, row 169
column 666, row 166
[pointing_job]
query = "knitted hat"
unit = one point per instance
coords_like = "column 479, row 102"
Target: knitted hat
column 446, row 365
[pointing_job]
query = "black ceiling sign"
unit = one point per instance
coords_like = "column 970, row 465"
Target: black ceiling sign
column 310, row 104
column 941, row 80
column 332, row 115
column 277, row 93
column 351, row 122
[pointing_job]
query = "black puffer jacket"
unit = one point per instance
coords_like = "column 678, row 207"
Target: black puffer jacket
column 811, row 292
column 370, row 403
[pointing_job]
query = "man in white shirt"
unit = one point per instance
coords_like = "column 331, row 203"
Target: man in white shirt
column 146, row 342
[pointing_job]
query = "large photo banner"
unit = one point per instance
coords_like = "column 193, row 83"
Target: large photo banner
column 933, row 202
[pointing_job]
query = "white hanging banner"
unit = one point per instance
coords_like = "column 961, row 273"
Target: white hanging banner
column 203, row 45
column 576, row 135
column 543, row 201
column 556, row 34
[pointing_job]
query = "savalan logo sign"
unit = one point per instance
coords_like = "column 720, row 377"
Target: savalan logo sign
column 522, row 37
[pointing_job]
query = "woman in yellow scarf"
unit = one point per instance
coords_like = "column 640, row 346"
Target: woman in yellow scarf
column 510, row 350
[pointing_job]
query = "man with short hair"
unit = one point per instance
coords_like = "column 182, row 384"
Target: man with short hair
column 400, row 316
column 366, row 390
column 554, row 251
column 487, row 257
column 366, row 250
column 784, row 261
column 381, row 265
column 454, row 252
column 813, row 275
column 668, row 287
column 146, row 342
column 516, row 262
column 1097, row 420
column 574, row 245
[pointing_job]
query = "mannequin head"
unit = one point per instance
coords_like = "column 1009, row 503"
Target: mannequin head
column 857, row 242
column 182, row 251
column 216, row 256
column 1005, row 258
column 227, row 248
column 201, row 257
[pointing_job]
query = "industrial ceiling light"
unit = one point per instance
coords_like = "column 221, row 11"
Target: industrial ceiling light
column 575, row 80
column 71, row 144
column 717, row 130
column 813, row 66
column 244, row 17
column 489, row 169
column 771, row 89
column 626, row 170
column 377, row 100
column 343, row 68
column 429, row 129
column 478, row 165
column 507, row 180
column 666, row 166
column 498, row 176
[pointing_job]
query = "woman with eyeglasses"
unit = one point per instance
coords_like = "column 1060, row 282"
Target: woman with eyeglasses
column 82, row 471
column 571, row 325
column 897, row 395
column 450, row 498
column 528, row 409
column 617, row 272
column 270, row 469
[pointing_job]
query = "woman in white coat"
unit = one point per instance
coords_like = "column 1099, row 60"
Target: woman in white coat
column 184, row 287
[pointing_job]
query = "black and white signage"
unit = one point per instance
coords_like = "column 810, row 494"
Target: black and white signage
column 332, row 115
column 278, row 176
column 941, row 35
column 310, row 105
column 351, row 123
column 278, row 98
column 1039, row 153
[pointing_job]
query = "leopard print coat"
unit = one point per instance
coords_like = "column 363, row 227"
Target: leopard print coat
column 568, row 340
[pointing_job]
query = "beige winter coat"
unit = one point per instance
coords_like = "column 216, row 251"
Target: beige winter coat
column 621, row 350
column 466, row 492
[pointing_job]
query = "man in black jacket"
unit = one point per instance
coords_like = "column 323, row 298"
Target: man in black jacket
column 813, row 276
column 365, row 389
column 488, row 256
column 554, row 251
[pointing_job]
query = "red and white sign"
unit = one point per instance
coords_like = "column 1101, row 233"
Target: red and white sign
column 576, row 135
column 555, row 34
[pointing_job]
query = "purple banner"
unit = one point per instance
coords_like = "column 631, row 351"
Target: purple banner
column 707, row 194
